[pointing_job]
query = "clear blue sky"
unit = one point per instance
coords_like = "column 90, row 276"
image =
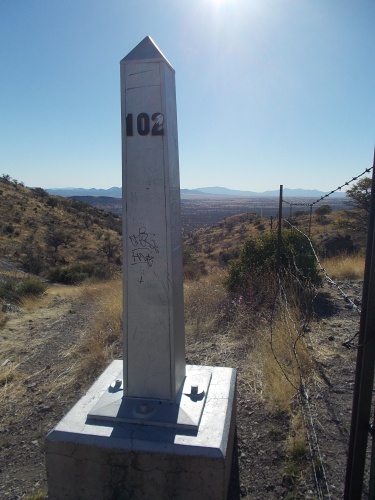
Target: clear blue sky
column 269, row 92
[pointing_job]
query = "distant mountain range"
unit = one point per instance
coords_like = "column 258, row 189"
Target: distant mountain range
column 116, row 192
column 293, row 193
column 113, row 192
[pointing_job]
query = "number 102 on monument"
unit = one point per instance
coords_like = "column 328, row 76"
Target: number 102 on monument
column 143, row 124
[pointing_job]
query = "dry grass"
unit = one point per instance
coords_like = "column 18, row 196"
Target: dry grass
column 11, row 383
column 202, row 302
column 277, row 362
column 345, row 267
column 101, row 342
column 85, row 360
column 41, row 495
column 7, row 375
column 19, row 339
column 219, row 331
column 31, row 303
column 278, row 356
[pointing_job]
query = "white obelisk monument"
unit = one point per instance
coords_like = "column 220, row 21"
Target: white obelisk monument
column 150, row 426
column 154, row 339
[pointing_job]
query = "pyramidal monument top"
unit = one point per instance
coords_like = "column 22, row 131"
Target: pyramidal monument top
column 146, row 49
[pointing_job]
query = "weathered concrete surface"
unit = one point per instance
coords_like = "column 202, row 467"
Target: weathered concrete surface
column 120, row 461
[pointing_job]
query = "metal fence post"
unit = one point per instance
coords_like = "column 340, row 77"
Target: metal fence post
column 364, row 377
column 278, row 254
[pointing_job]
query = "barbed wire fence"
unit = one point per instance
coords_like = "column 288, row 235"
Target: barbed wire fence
column 318, row 200
column 296, row 333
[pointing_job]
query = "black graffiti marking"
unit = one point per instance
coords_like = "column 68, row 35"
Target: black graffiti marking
column 144, row 240
column 144, row 248
column 142, row 258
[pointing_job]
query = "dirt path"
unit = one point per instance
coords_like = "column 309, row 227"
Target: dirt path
column 35, row 341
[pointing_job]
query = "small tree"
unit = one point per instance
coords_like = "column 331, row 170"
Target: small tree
column 56, row 237
column 33, row 262
column 109, row 248
column 360, row 194
column 323, row 211
column 360, row 199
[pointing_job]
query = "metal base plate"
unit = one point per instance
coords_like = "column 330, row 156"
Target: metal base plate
column 184, row 413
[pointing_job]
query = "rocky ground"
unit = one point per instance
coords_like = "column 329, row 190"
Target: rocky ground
column 35, row 343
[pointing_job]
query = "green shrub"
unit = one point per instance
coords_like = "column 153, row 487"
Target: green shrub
column 8, row 290
column 31, row 286
column 258, row 259
column 187, row 254
column 68, row 275
column 13, row 290
column 72, row 275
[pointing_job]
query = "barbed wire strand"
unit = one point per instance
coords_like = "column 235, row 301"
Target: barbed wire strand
column 312, row 438
column 366, row 171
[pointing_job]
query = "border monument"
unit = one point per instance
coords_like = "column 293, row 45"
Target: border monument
column 150, row 426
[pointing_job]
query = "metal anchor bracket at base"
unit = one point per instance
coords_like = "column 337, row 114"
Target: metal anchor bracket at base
column 184, row 413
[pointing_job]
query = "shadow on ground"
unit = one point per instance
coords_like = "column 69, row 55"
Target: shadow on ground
column 325, row 306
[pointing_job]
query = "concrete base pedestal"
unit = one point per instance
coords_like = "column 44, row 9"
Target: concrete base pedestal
column 122, row 460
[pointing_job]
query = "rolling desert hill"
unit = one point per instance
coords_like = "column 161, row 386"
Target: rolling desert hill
column 40, row 232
